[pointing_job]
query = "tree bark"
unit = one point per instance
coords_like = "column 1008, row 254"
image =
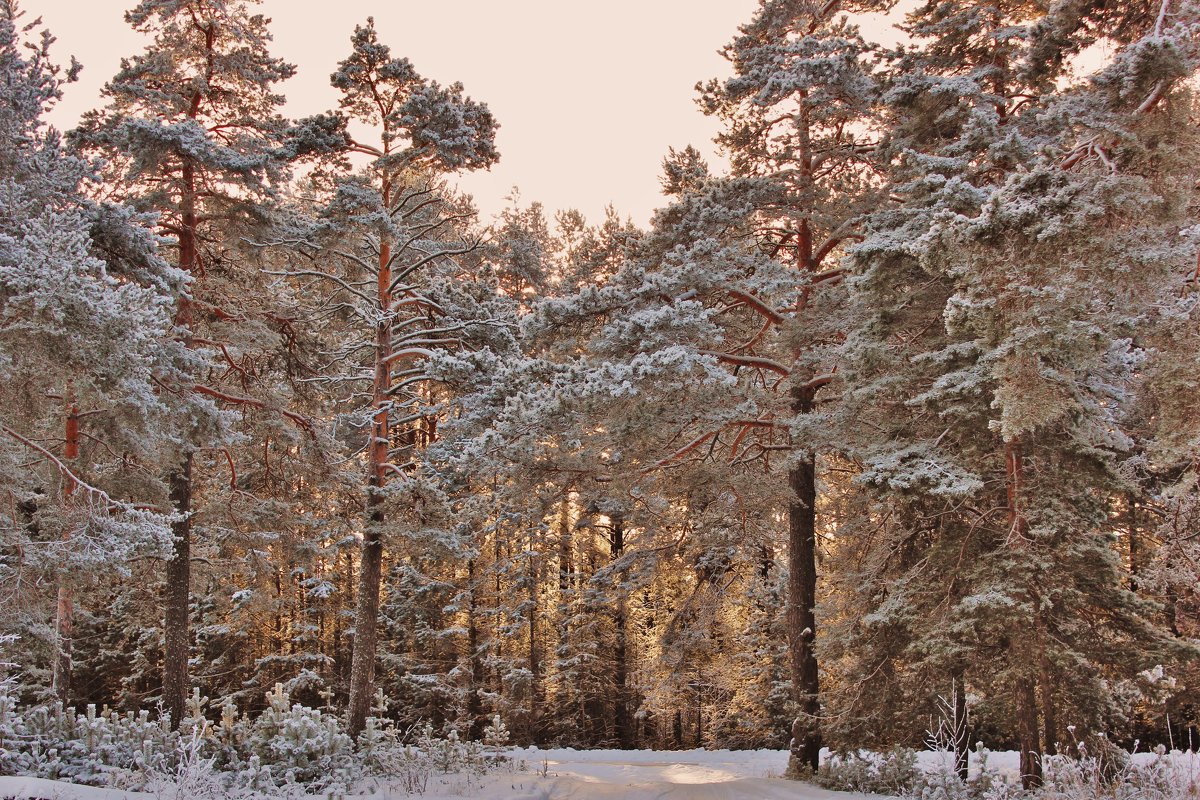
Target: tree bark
column 366, row 618
column 621, row 716
column 536, row 689
column 962, row 743
column 177, row 633
column 474, row 701
column 1027, row 734
column 1049, row 717
column 177, row 597
column 1025, row 687
column 1134, row 552
column 566, row 568
column 64, row 615
column 800, row 616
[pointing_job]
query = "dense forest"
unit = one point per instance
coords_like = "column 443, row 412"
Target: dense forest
column 896, row 417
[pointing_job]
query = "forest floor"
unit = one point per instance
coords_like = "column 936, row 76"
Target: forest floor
column 555, row 775
column 565, row 774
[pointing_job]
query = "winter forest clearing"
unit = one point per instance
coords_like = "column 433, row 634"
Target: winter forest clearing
column 870, row 464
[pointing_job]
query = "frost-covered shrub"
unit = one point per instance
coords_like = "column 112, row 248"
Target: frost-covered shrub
column 287, row 748
column 1088, row 777
column 943, row 783
column 194, row 775
column 295, row 744
column 1076, row 776
column 894, row 772
column 99, row 748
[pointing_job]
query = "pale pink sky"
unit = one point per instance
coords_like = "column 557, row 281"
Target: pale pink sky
column 589, row 95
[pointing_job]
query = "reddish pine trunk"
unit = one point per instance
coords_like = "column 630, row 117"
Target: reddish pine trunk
column 536, row 688
column 366, row 619
column 622, row 716
column 176, row 597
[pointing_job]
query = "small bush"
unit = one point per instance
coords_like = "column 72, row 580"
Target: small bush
column 288, row 749
column 894, row 772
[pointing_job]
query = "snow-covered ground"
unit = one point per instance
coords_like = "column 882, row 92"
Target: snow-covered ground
column 1007, row 763
column 565, row 774
column 561, row 775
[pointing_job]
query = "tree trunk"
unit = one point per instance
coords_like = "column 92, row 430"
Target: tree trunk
column 366, row 618
column 1026, row 689
column 621, row 716
column 474, row 657
column 177, row 597
column 800, row 616
column 1049, row 717
column 962, row 739
column 1134, row 553
column 1027, row 734
column 536, row 689
column 64, row 615
column 177, row 600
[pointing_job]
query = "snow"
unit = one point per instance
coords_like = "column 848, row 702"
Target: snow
column 567, row 774
column 562, row 773
column 43, row 789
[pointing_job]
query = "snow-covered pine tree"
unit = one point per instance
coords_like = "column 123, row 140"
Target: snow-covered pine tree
column 798, row 113
column 86, row 306
column 392, row 234
column 986, row 377
column 192, row 133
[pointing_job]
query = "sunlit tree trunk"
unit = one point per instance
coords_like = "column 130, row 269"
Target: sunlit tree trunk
column 622, row 716
column 533, row 579
column 366, row 618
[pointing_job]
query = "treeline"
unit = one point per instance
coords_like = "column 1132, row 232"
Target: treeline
column 898, row 418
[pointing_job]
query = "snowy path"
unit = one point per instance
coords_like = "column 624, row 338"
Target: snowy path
column 647, row 775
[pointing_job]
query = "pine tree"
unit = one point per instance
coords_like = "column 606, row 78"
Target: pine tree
column 797, row 114
column 989, row 367
column 86, row 304
column 394, row 234
column 192, row 133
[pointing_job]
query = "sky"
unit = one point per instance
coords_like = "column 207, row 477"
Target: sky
column 589, row 95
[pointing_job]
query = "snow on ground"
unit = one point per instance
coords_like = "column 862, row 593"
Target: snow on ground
column 566, row 774
column 1007, row 763
column 562, row 775
column 19, row 787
